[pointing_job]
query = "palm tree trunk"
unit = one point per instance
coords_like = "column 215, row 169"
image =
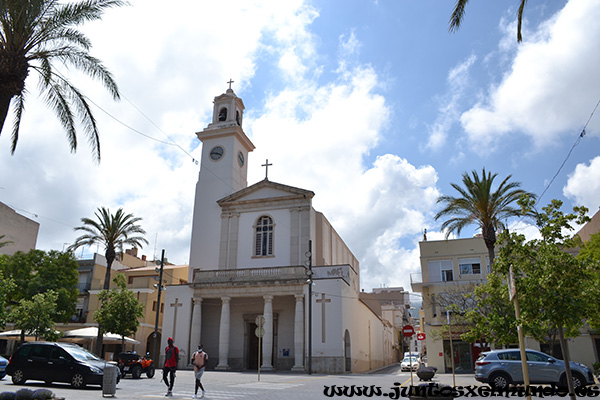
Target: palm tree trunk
column 489, row 237
column 110, row 257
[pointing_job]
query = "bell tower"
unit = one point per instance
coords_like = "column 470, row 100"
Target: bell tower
column 223, row 171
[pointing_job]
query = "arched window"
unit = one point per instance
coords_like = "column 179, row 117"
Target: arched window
column 263, row 237
column 237, row 117
column 223, row 114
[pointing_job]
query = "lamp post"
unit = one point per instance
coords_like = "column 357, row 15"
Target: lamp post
column 160, row 289
column 308, row 265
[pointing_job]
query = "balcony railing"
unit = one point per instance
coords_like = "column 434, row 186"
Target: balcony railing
column 237, row 277
column 84, row 287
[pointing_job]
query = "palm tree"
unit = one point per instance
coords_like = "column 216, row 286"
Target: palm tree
column 34, row 35
column 478, row 204
column 459, row 11
column 6, row 242
column 111, row 231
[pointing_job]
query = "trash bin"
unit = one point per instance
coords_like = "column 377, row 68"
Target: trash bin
column 109, row 381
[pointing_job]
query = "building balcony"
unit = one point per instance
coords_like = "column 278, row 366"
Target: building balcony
column 249, row 276
column 84, row 287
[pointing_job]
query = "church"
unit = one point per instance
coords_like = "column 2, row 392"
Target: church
column 271, row 283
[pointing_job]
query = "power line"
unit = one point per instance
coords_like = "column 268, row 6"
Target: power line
column 581, row 135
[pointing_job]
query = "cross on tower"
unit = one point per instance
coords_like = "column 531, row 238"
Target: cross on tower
column 176, row 305
column 266, row 165
column 323, row 300
column 230, row 82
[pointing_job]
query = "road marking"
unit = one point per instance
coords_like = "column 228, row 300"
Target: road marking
column 267, row 385
column 211, row 394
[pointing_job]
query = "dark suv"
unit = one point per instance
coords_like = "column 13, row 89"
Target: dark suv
column 56, row 362
column 501, row 368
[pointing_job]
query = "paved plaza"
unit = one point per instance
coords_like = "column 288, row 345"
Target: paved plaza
column 246, row 385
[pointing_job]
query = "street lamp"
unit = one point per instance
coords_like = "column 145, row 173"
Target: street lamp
column 160, row 289
column 309, row 280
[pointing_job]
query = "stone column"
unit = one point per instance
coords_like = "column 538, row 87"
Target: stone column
column 299, row 334
column 267, row 352
column 224, row 335
column 196, row 331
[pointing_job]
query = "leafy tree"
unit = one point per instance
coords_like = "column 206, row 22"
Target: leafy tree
column 37, row 272
column 111, row 231
column 459, row 11
column 479, row 204
column 35, row 316
column 7, row 285
column 590, row 251
column 556, row 290
column 120, row 311
column 34, row 36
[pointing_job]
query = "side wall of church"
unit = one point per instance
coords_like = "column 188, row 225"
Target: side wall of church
column 332, row 249
column 176, row 322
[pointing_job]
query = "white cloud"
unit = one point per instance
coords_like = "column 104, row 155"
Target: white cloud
column 552, row 86
column 449, row 111
column 583, row 186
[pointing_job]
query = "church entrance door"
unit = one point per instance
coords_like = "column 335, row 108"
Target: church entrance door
column 252, row 347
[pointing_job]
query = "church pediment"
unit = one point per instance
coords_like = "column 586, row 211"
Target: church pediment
column 266, row 190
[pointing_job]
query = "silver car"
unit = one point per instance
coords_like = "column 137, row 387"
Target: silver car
column 501, row 368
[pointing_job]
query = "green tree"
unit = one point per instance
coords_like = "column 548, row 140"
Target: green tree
column 34, row 36
column 590, row 251
column 556, row 290
column 35, row 316
column 459, row 11
column 480, row 204
column 121, row 311
column 38, row 271
column 111, row 231
column 7, row 285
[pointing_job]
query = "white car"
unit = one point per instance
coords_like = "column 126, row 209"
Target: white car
column 408, row 363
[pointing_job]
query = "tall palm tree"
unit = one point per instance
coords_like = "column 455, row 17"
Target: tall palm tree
column 35, row 35
column 479, row 204
column 459, row 12
column 6, row 242
column 111, row 231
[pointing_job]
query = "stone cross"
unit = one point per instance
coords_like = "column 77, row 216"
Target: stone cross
column 176, row 305
column 230, row 82
column 266, row 165
column 323, row 300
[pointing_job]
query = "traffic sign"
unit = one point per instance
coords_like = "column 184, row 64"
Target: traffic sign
column 420, row 336
column 408, row 330
column 260, row 320
column 259, row 332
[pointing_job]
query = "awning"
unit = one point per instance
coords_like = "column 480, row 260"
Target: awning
column 90, row 333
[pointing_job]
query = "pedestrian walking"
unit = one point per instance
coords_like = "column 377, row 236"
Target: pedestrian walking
column 199, row 359
column 171, row 361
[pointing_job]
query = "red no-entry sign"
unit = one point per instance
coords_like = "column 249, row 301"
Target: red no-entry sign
column 408, row 330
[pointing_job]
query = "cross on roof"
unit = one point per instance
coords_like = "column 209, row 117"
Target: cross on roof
column 266, row 165
column 230, row 82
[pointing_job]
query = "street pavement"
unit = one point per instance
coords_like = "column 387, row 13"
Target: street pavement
column 248, row 385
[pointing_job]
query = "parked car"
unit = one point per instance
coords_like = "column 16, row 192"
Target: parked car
column 3, row 364
column 408, row 363
column 56, row 362
column 134, row 364
column 502, row 368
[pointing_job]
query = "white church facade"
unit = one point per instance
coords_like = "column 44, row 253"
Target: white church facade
column 263, row 250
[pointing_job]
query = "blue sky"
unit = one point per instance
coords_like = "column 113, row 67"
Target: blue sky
column 373, row 105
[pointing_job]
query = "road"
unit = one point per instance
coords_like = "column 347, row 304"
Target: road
column 246, row 385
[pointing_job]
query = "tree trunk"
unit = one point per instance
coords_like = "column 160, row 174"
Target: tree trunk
column 110, row 257
column 489, row 238
column 567, row 359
